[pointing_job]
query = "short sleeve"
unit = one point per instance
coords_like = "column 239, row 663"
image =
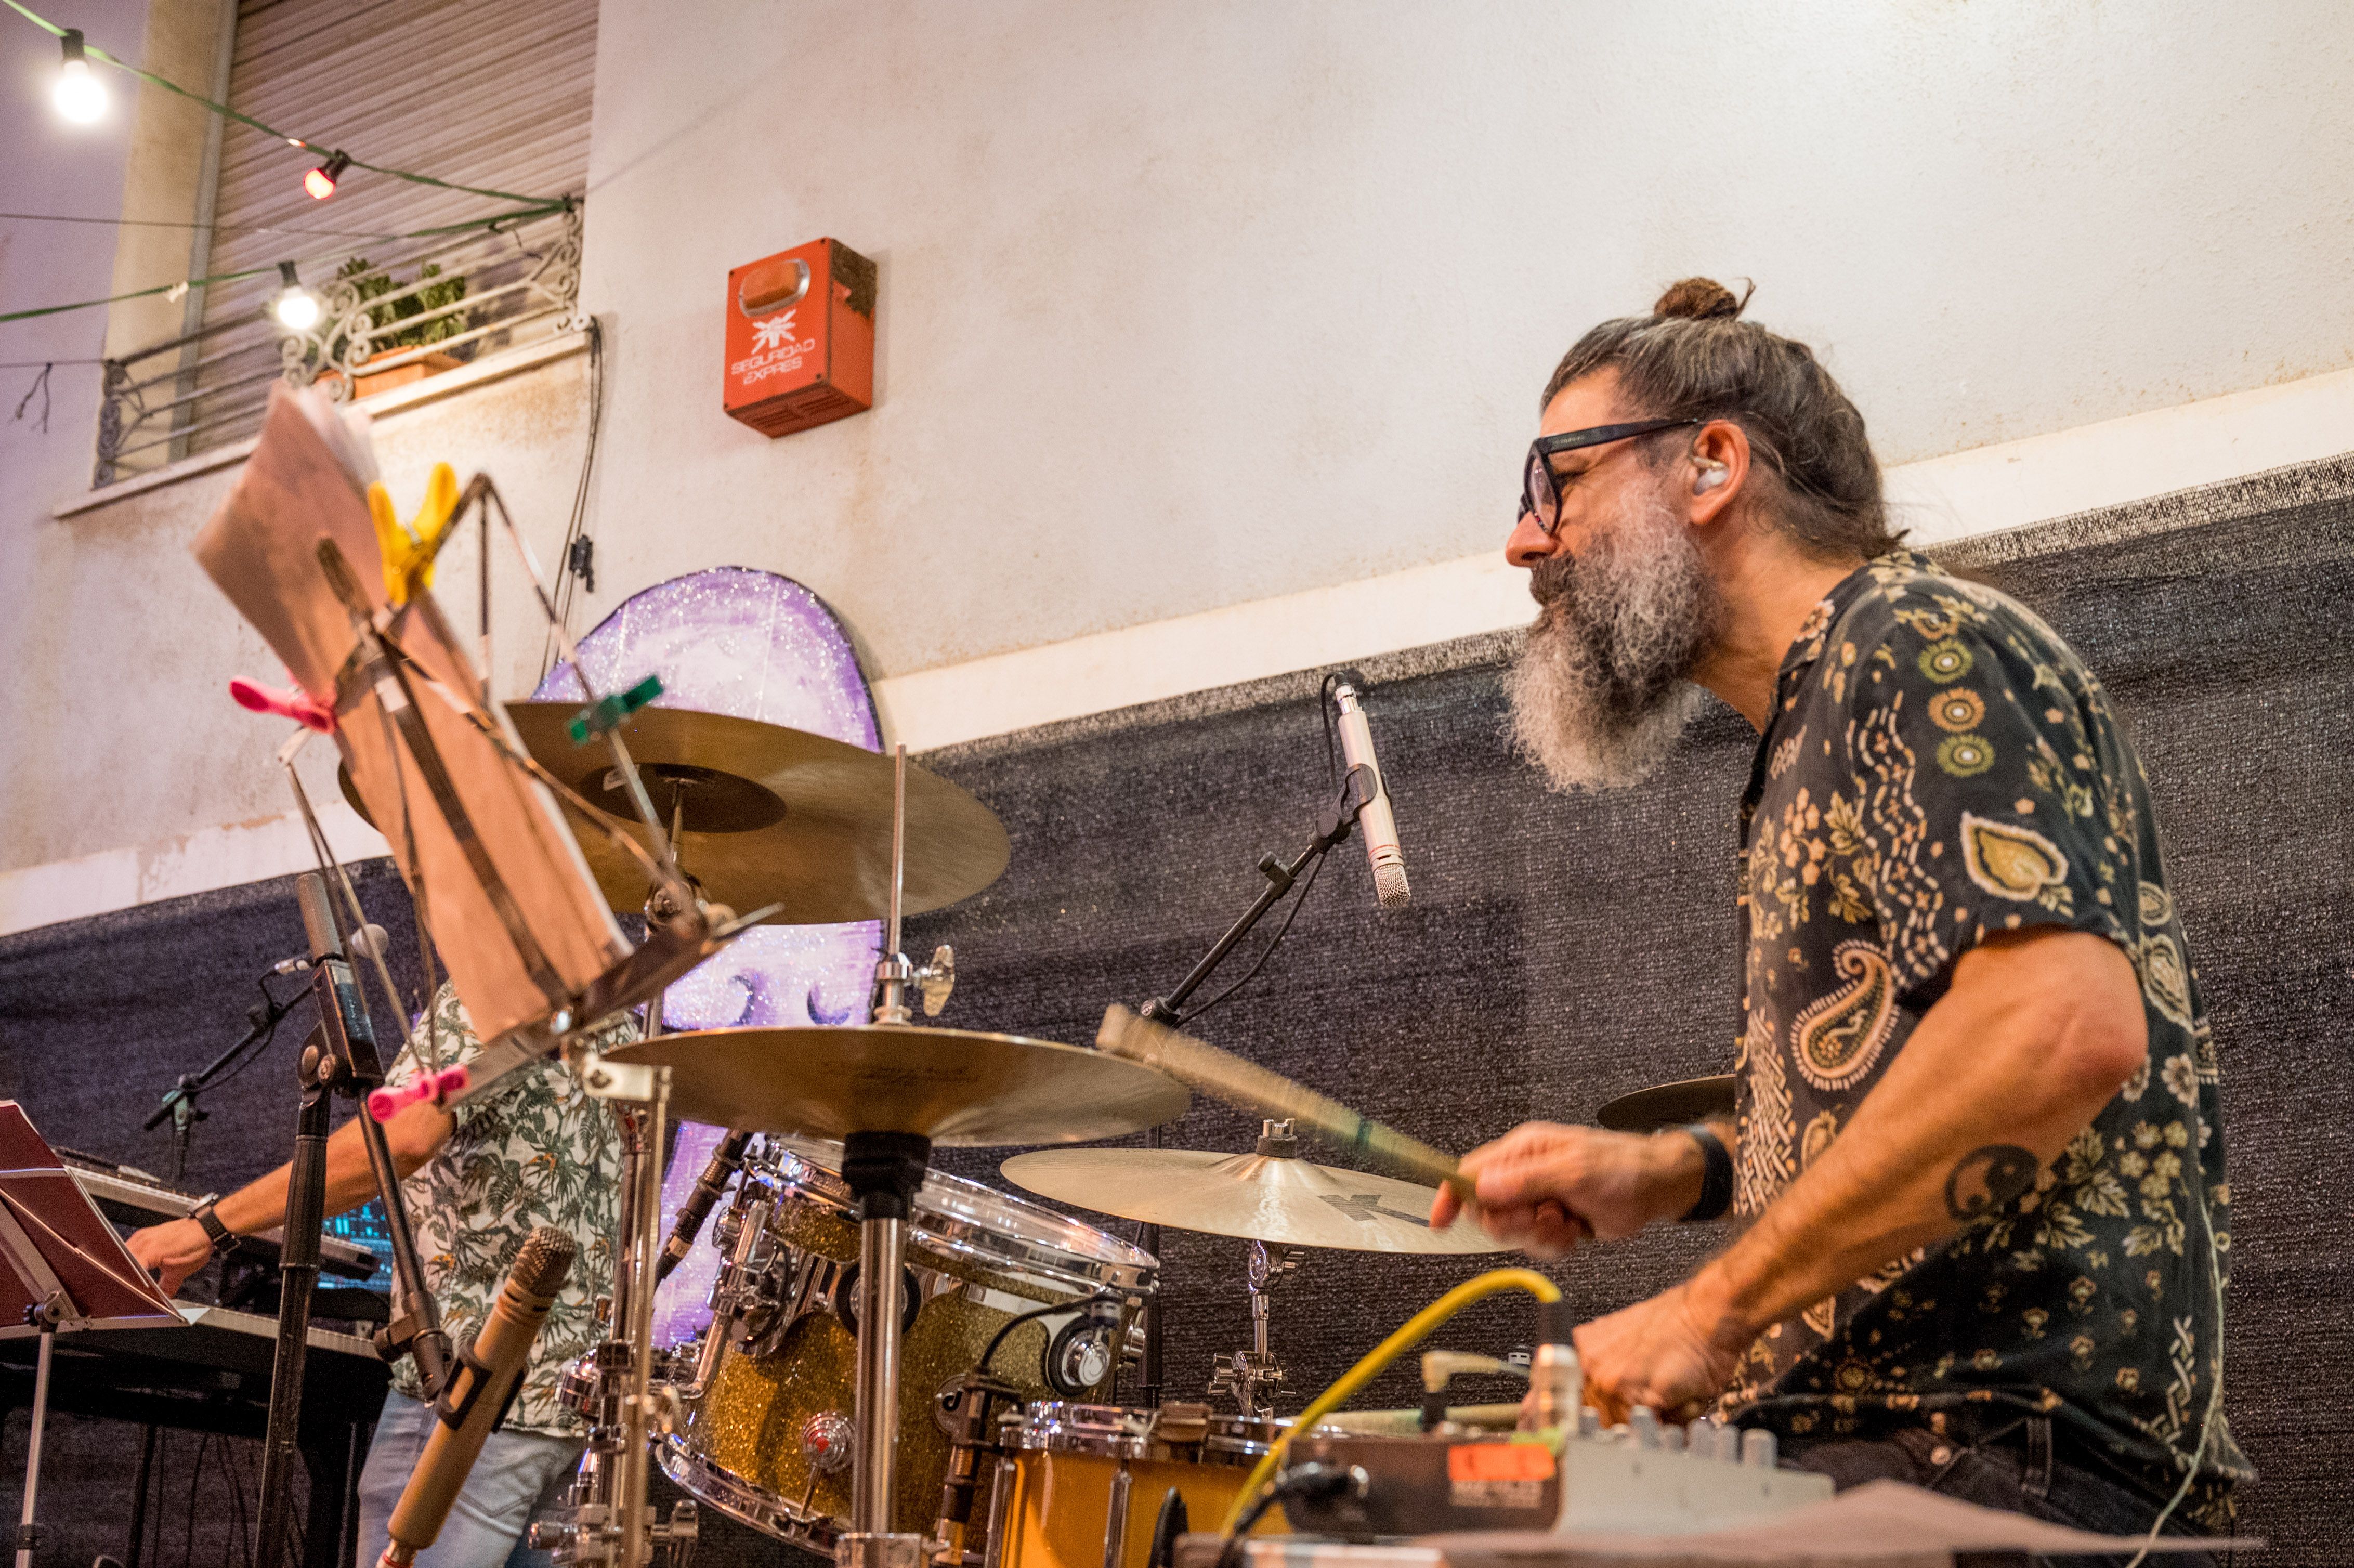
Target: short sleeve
column 453, row 1037
column 1983, row 757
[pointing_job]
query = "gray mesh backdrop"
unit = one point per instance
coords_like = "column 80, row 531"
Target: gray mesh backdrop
column 1558, row 952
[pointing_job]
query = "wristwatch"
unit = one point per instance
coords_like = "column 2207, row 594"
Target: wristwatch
column 1716, row 1174
column 203, row 1214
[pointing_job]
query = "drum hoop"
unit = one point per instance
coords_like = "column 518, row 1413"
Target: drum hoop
column 1118, row 1432
column 969, row 1238
column 745, row 1501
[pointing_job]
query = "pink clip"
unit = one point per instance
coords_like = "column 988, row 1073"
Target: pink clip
column 296, row 706
column 386, row 1104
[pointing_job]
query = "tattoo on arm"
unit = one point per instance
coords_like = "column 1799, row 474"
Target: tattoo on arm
column 1989, row 1178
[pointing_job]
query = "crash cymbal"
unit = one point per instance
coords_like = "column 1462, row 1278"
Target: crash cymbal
column 1669, row 1104
column 1268, row 1198
column 772, row 815
column 947, row 1085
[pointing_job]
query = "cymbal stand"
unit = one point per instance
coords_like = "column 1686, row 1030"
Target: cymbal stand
column 1356, row 791
column 893, row 974
column 1247, row 1374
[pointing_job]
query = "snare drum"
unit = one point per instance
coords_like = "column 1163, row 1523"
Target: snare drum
column 1084, row 1486
column 764, row 1430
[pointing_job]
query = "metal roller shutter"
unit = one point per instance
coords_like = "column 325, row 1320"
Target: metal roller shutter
column 492, row 95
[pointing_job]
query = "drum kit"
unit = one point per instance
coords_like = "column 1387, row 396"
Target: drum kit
column 903, row 1367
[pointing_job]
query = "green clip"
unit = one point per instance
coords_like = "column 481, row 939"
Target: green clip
column 599, row 717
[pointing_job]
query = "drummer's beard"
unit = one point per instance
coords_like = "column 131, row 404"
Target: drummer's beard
column 1602, row 690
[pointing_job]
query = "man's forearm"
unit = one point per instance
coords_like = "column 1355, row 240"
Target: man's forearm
column 260, row 1205
column 2032, row 1041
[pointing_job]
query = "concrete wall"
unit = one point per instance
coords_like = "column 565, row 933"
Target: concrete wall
column 1185, row 305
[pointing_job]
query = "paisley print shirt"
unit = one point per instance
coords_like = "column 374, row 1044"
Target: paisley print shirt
column 1939, row 766
column 540, row 1151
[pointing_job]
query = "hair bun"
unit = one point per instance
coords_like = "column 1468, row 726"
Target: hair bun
column 1699, row 300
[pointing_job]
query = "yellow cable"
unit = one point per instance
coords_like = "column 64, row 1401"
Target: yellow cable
column 1416, row 1328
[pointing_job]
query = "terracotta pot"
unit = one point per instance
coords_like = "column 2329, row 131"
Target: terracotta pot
column 367, row 383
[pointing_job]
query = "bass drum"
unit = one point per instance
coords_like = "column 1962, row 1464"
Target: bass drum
column 763, row 1432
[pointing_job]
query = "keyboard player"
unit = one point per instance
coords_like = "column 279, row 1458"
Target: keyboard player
column 538, row 1152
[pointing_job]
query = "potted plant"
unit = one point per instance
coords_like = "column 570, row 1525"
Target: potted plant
column 371, row 282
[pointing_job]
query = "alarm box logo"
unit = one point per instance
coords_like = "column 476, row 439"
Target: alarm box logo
column 777, row 350
column 776, row 332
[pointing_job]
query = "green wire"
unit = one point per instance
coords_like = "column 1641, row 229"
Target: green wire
column 94, row 52
column 490, row 222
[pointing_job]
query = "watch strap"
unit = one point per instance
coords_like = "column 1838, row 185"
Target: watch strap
column 203, row 1214
column 1716, row 1174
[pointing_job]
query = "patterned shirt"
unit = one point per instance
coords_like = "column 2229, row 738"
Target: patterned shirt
column 1939, row 766
column 538, row 1152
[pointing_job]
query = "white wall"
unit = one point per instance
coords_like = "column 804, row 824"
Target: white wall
column 1185, row 305
column 1210, row 336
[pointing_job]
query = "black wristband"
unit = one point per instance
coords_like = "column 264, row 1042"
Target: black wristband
column 1716, row 1174
column 219, row 1233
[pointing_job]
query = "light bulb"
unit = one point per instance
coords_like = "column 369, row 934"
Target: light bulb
column 321, row 182
column 296, row 307
column 78, row 95
column 297, row 310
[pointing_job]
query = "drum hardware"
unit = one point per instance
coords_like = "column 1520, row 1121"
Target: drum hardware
column 1244, row 1374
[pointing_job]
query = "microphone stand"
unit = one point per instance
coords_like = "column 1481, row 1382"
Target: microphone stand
column 179, row 1104
column 340, row 1056
column 1356, row 792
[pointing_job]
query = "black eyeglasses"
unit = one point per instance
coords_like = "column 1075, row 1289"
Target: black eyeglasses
column 1540, row 493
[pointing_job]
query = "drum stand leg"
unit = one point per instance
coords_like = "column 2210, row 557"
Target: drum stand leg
column 882, row 1170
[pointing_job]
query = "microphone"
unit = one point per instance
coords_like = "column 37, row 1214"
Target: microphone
column 1374, row 817
column 480, row 1389
column 726, row 1161
column 369, row 942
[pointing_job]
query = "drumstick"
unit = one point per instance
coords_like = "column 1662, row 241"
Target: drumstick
column 1248, row 1086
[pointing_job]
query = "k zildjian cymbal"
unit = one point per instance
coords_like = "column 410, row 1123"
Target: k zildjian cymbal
column 950, row 1085
column 1268, row 1198
column 772, row 815
column 1669, row 1104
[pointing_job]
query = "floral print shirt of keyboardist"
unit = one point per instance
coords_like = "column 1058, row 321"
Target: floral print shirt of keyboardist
column 1939, row 766
column 536, row 1150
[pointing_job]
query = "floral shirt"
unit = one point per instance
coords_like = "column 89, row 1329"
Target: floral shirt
column 1939, row 766
column 538, row 1152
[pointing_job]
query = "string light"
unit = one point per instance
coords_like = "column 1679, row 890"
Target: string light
column 296, row 307
column 78, row 95
column 321, row 182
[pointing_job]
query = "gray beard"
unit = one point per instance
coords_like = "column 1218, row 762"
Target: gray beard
column 1600, row 694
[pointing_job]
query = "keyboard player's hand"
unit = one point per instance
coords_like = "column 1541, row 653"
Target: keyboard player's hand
column 171, row 1252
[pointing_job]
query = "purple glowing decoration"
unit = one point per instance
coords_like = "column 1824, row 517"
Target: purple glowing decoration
column 759, row 646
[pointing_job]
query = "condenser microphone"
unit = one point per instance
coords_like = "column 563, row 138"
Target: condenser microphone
column 1380, row 827
column 479, row 1388
column 369, row 943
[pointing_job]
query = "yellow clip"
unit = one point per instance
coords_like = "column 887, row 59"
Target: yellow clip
column 408, row 552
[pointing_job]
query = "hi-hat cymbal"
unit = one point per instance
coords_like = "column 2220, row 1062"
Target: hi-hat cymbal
column 950, row 1085
column 1669, row 1104
column 1259, row 1197
column 771, row 815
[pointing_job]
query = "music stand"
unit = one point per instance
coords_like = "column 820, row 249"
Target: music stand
column 61, row 1267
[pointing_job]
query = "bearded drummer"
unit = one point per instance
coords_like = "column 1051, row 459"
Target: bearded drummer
column 1978, row 1156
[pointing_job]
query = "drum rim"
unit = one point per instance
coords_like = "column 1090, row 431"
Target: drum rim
column 747, row 1502
column 1062, row 1426
column 966, row 1234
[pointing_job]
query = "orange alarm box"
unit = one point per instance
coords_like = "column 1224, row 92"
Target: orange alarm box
column 801, row 338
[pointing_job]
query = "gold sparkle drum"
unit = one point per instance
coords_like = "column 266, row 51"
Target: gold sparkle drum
column 764, row 1428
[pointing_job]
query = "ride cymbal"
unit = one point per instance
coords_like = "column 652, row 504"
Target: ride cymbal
column 950, row 1085
column 1259, row 1197
column 1669, row 1104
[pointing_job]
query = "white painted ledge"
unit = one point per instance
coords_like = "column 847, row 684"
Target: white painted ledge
column 1983, row 491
